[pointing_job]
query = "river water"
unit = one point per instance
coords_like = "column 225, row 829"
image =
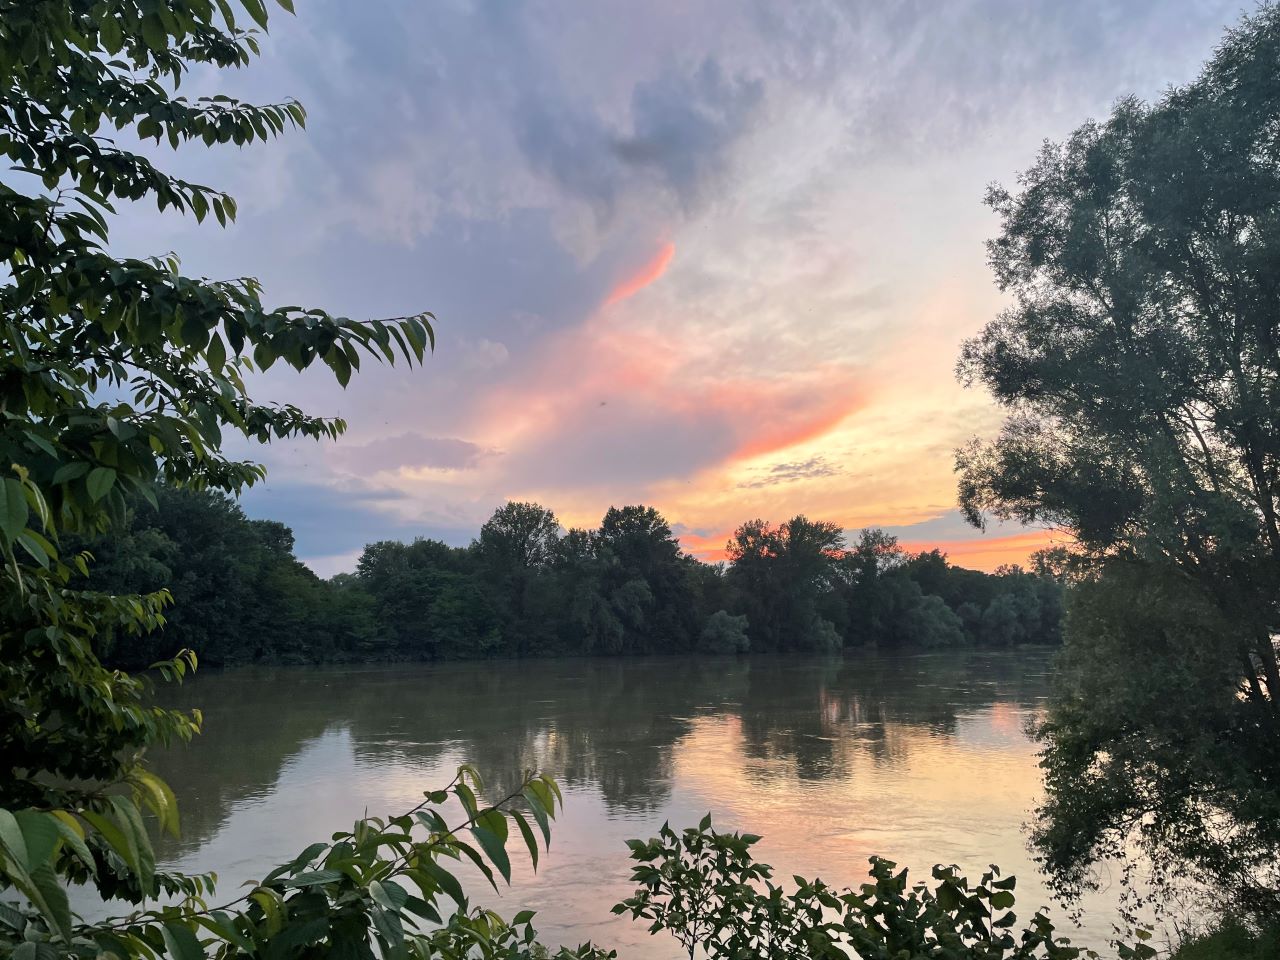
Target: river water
column 921, row 759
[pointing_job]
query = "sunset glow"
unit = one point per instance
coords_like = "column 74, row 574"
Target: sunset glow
column 720, row 262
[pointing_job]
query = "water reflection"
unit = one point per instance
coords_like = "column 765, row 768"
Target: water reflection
column 921, row 759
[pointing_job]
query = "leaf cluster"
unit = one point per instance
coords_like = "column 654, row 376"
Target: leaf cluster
column 707, row 890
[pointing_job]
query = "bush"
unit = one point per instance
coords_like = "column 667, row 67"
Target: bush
column 1232, row 940
column 707, row 890
column 725, row 633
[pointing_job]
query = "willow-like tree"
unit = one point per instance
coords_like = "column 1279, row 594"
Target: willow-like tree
column 1140, row 366
column 114, row 374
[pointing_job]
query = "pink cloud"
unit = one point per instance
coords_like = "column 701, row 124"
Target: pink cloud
column 646, row 275
column 605, row 397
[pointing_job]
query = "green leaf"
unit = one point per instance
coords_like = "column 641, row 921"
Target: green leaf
column 315, row 878
column 490, row 831
column 446, row 881
column 13, row 509
column 12, row 840
column 110, row 34
column 1002, row 900
column 100, row 481
column 70, row 471
column 222, row 926
column 388, row 894
column 387, row 923
column 216, row 353
column 180, row 940
column 529, row 840
column 256, row 9
column 539, row 813
column 153, row 32
column 73, row 836
column 40, row 834
column 125, row 833
column 159, row 798
column 50, row 898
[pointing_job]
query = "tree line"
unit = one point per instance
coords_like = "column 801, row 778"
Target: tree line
column 527, row 587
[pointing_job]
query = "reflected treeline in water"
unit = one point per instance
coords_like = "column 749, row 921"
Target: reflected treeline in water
column 614, row 726
column 810, row 715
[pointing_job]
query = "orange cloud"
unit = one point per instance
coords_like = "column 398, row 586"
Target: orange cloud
column 709, row 548
column 980, row 553
column 800, row 428
column 646, row 275
column 987, row 553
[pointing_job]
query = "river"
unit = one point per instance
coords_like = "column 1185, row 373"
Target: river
column 922, row 759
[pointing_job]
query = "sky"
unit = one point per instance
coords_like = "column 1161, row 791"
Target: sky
column 716, row 257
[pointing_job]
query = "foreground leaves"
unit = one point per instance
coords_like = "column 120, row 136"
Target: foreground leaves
column 708, row 891
column 388, row 887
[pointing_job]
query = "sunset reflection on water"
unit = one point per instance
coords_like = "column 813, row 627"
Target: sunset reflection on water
column 919, row 759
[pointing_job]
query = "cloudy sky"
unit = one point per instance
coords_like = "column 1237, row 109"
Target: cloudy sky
column 713, row 256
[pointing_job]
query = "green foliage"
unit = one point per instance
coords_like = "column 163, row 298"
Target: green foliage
column 1231, row 940
column 1176, row 741
column 724, row 633
column 240, row 596
column 388, row 885
column 706, row 889
column 237, row 589
column 1139, row 367
column 118, row 374
column 931, row 623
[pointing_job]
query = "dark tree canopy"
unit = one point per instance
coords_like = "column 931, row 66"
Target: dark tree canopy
column 625, row 587
column 1140, row 367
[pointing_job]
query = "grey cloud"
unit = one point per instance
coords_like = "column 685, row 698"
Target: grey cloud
column 683, row 128
column 923, row 77
column 411, row 450
column 686, row 125
column 335, row 519
column 572, row 150
column 950, row 524
column 790, row 472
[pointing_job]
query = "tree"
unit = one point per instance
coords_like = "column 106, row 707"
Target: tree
column 516, row 547
column 116, row 374
column 638, row 547
column 1140, row 366
column 931, row 623
column 1164, row 739
column 872, row 596
column 520, row 535
column 781, row 574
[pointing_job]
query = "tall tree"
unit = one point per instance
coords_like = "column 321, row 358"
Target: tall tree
column 648, row 579
column 780, row 575
column 520, row 535
column 1140, row 365
column 517, row 546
